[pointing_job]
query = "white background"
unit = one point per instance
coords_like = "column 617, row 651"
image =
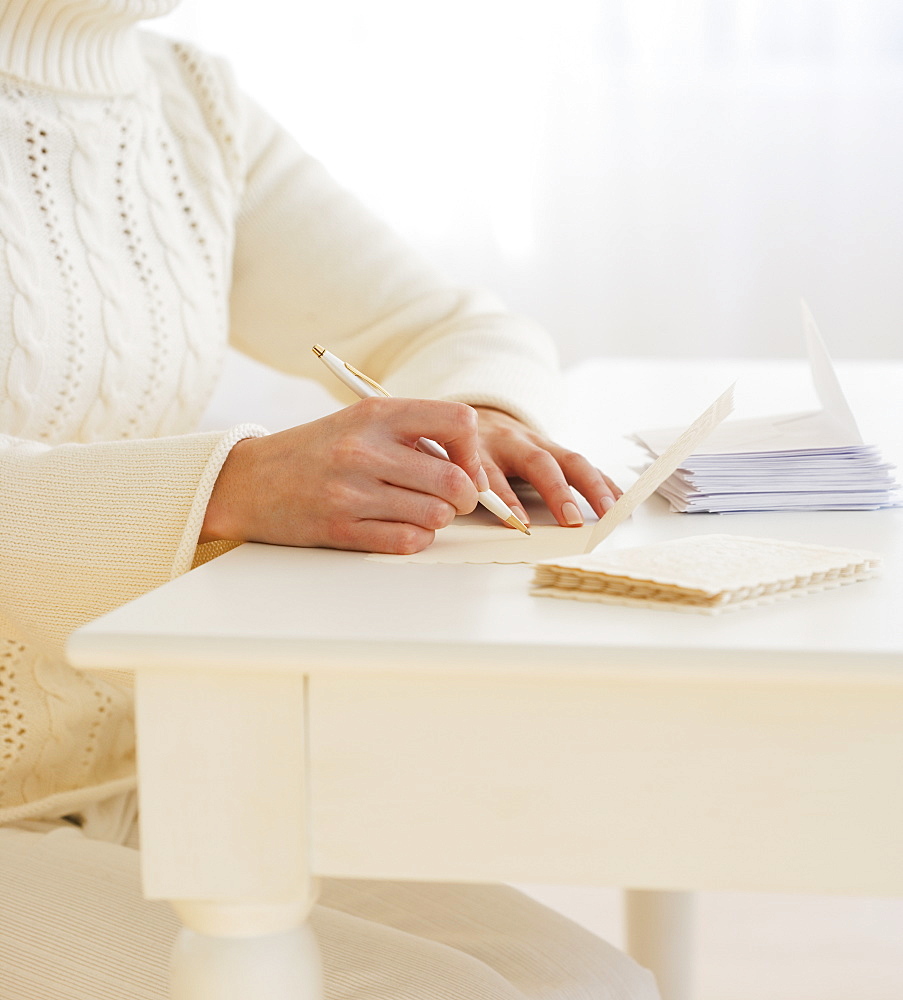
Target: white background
column 643, row 176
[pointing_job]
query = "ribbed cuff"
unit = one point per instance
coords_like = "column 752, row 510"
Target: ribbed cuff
column 185, row 553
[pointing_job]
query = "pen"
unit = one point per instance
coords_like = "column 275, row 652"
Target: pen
column 362, row 385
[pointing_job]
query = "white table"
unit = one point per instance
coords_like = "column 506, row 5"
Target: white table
column 306, row 713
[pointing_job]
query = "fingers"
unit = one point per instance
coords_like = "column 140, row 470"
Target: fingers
column 381, row 441
column 556, row 471
column 549, row 478
column 597, row 489
column 511, row 449
column 427, row 478
column 394, row 505
column 555, row 479
column 391, row 537
column 455, row 426
column 380, row 517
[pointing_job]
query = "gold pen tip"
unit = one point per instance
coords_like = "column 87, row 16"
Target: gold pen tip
column 516, row 522
column 319, row 350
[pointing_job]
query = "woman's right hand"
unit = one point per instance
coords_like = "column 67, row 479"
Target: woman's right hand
column 351, row 480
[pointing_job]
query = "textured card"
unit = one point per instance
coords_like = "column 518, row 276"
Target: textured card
column 703, row 573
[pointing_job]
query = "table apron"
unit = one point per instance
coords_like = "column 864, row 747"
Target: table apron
column 773, row 786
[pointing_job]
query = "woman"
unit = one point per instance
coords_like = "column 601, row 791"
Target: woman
column 150, row 214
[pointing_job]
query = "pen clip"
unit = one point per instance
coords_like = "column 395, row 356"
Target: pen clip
column 365, row 378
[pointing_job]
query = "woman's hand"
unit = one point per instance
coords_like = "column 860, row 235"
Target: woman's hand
column 354, row 480
column 508, row 448
column 351, row 480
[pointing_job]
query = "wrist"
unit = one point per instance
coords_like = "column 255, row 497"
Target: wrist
column 226, row 515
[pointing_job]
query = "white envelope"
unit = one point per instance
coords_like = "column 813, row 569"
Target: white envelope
column 833, row 426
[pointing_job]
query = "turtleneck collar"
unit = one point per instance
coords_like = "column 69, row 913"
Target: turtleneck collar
column 83, row 46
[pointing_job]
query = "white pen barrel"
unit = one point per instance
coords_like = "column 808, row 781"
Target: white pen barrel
column 493, row 502
column 356, row 385
column 366, row 390
column 429, row 447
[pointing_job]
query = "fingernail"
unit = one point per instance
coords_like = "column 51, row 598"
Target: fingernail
column 571, row 513
column 607, row 504
column 519, row 513
column 482, row 480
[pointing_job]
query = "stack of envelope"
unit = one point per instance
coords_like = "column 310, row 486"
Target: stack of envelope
column 799, row 461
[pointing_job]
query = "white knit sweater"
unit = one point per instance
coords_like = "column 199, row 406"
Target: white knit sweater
column 149, row 214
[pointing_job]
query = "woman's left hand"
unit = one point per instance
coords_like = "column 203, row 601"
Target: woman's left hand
column 510, row 449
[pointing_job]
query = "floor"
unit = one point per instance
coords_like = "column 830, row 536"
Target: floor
column 769, row 947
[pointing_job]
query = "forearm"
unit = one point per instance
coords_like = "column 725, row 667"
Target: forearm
column 312, row 264
column 86, row 527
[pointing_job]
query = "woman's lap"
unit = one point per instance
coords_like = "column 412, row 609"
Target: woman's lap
column 73, row 926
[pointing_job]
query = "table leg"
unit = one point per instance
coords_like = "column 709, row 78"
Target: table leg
column 660, row 937
column 235, row 953
column 223, row 780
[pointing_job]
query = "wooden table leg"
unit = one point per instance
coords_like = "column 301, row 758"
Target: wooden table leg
column 224, row 954
column 660, row 937
column 223, row 779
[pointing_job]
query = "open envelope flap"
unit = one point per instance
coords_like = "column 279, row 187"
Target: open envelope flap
column 834, row 426
column 815, row 429
column 825, row 380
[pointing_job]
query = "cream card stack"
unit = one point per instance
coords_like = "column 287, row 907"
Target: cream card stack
column 793, row 461
column 703, row 573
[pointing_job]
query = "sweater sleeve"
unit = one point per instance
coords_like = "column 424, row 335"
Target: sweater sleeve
column 312, row 264
column 87, row 527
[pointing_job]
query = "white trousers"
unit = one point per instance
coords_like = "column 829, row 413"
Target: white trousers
column 74, row 926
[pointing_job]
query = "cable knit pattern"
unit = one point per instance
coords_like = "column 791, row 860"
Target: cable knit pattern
column 24, row 362
column 13, row 723
column 167, row 197
column 206, row 84
column 42, row 153
column 85, row 167
column 150, row 213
